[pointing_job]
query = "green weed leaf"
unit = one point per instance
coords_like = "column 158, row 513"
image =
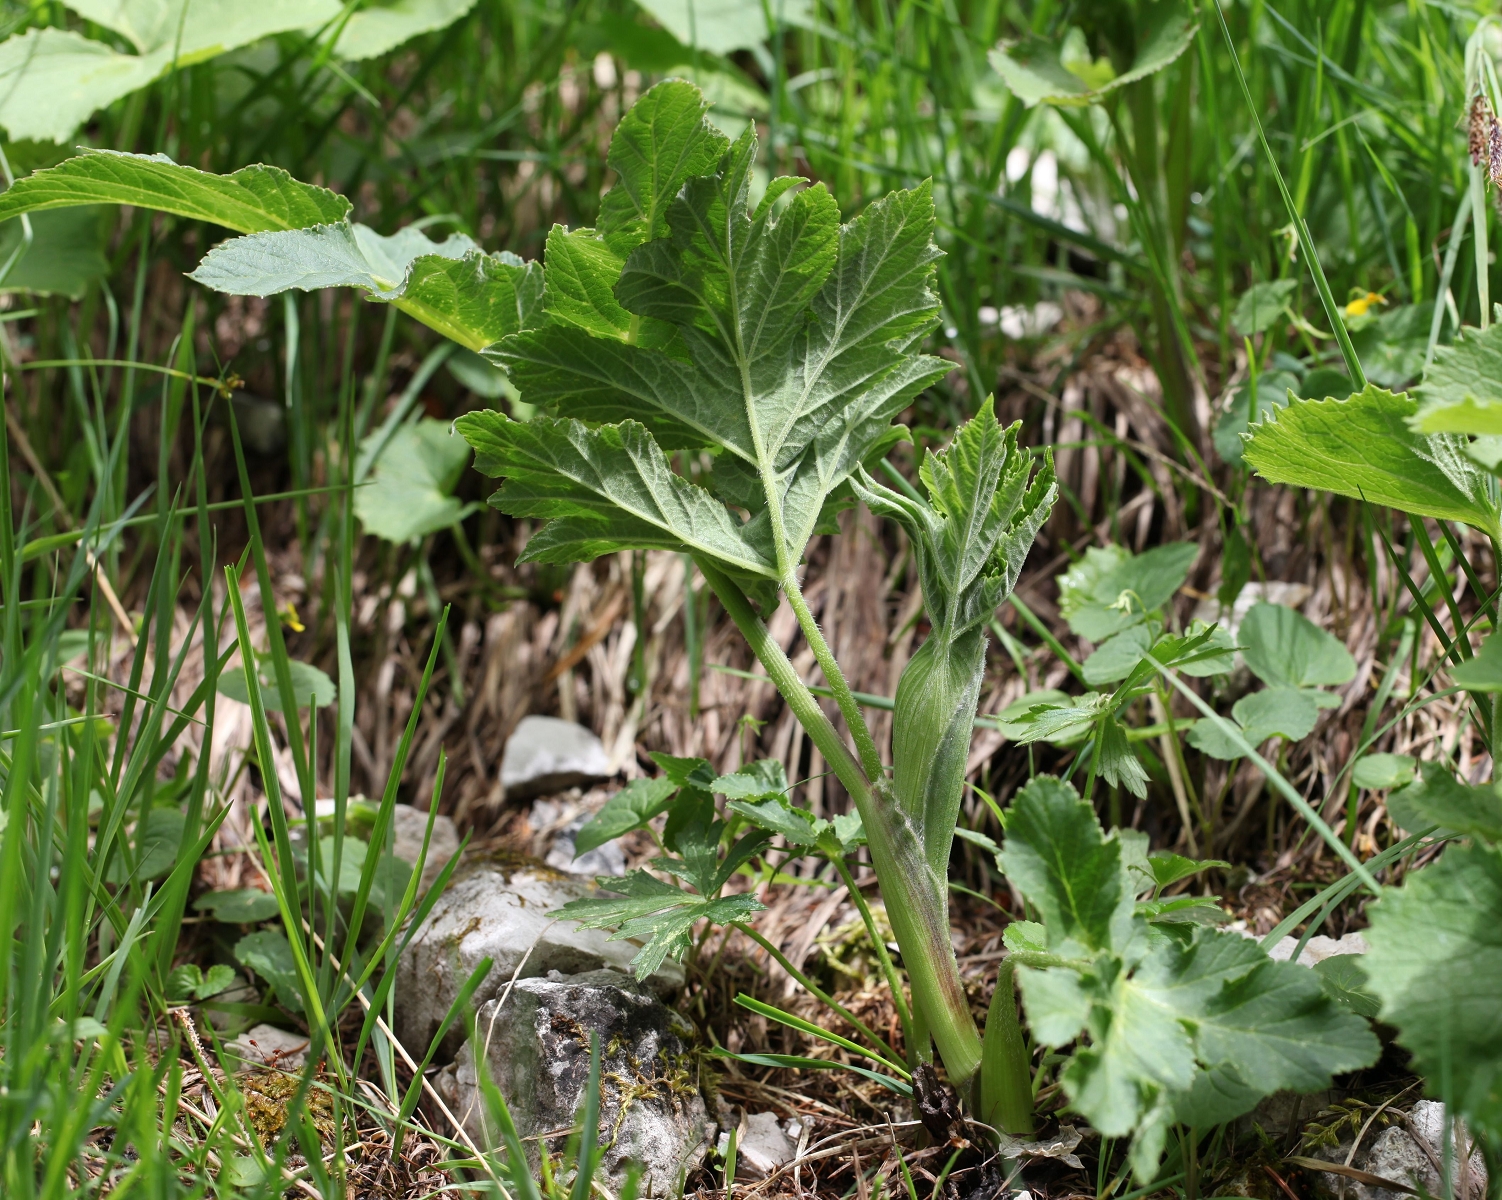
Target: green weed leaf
column 1483, row 671
column 1462, row 389
column 1383, row 770
column 1435, row 963
column 1112, row 589
column 1170, row 1012
column 1363, row 447
column 243, row 906
column 659, row 915
column 268, row 953
column 630, row 808
column 251, row 200
column 307, row 681
column 1038, row 70
column 1284, row 648
column 1261, row 305
column 408, row 494
column 1438, row 798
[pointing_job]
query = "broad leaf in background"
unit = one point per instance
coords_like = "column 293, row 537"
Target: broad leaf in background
column 307, row 680
column 250, row 200
column 409, row 492
column 1111, row 589
column 1384, row 771
column 1272, row 394
column 1262, row 304
column 52, row 80
column 381, row 25
column 241, row 906
column 155, row 851
column 1462, row 389
column 1167, row 1011
column 65, row 256
column 268, row 953
column 721, row 26
column 1437, row 798
column 1283, row 648
column 1435, row 962
column 1363, row 447
column 1039, row 71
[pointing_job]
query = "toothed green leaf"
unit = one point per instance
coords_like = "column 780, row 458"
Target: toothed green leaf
column 1166, row 1014
column 1462, row 389
column 1363, row 447
column 1435, row 963
column 251, row 200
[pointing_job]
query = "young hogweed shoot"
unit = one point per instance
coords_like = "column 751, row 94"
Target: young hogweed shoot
column 784, row 343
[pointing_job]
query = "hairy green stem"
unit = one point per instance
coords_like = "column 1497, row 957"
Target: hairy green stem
column 855, row 721
column 888, row 967
column 782, row 961
column 919, row 916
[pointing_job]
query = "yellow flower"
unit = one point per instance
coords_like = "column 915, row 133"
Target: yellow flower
column 1358, row 306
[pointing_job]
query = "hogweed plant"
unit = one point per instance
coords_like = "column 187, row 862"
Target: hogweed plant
column 716, row 369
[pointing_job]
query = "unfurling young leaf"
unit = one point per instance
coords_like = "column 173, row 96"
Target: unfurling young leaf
column 1177, row 1021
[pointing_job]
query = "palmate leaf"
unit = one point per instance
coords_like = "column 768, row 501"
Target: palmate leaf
column 1172, row 1015
column 658, row 914
column 1435, row 963
column 1363, row 447
column 251, row 200
column 784, row 344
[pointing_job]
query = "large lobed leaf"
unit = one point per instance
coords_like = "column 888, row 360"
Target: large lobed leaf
column 1179, row 1022
column 781, row 340
column 1363, row 447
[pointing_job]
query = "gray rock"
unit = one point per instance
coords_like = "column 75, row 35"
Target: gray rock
column 1407, row 1153
column 651, row 1110
column 762, row 1145
column 559, row 823
column 266, row 1044
column 408, row 825
column 491, row 911
column 546, row 755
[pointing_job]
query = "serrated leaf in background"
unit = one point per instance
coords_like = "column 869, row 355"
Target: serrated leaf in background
column 1362, row 447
